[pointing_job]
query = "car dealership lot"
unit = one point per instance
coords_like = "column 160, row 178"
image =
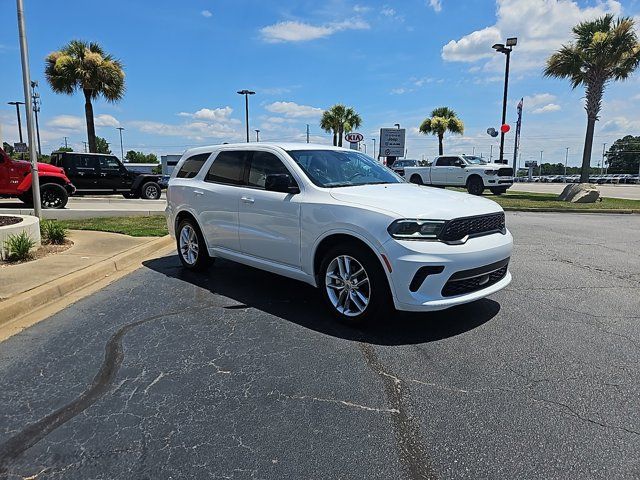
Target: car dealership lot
column 238, row 373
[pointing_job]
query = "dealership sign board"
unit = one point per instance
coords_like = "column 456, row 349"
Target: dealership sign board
column 392, row 142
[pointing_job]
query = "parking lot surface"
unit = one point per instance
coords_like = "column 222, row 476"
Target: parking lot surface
column 237, row 373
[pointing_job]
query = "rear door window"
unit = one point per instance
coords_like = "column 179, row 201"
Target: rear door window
column 84, row 163
column 109, row 164
column 192, row 165
column 228, row 167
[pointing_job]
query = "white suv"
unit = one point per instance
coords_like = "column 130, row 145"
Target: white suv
column 340, row 221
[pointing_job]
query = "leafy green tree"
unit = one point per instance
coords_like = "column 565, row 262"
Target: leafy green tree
column 604, row 50
column 102, row 146
column 442, row 120
column 624, row 155
column 85, row 66
column 138, row 157
column 8, row 148
column 64, row 149
column 339, row 120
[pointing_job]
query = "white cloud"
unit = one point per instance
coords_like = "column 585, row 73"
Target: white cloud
column 533, row 101
column 436, row 5
column 399, row 91
column 206, row 13
column 361, row 9
column 293, row 110
column 106, row 121
column 620, row 124
column 73, row 123
column 216, row 114
column 541, row 26
column 388, row 11
column 293, row 31
column 191, row 130
column 550, row 107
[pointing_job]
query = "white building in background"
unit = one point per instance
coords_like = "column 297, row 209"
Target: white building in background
column 169, row 162
column 140, row 167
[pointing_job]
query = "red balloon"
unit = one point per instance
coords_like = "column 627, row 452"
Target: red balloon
column 505, row 128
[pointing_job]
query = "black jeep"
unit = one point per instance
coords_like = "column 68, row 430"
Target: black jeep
column 98, row 173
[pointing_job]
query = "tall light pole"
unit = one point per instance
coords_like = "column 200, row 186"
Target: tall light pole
column 26, row 83
column 17, row 104
column 500, row 47
column 540, row 169
column 257, row 135
column 397, row 125
column 35, row 98
column 604, row 156
column 121, row 144
column 307, row 133
column 566, row 159
column 246, row 94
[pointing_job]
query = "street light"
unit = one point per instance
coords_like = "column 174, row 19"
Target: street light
column 246, row 94
column 121, row 146
column 257, row 135
column 506, row 49
column 17, row 104
column 374, row 147
column 397, row 125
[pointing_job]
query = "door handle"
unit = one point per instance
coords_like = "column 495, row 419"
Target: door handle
column 247, row 200
column 198, row 192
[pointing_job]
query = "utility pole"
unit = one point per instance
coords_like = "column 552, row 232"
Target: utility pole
column 604, row 155
column 473, row 150
column 85, row 147
column 540, row 166
column 121, row 145
column 17, row 104
column 35, row 98
column 490, row 153
column 307, row 133
column 26, row 83
column 374, row 147
column 65, row 142
column 566, row 159
column 257, row 135
column 246, row 94
column 500, row 47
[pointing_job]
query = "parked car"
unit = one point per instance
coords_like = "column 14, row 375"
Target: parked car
column 97, row 173
column 15, row 181
column 473, row 173
column 340, row 221
column 399, row 166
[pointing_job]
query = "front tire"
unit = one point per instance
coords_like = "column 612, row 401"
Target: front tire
column 150, row 191
column 192, row 249
column 354, row 285
column 53, row 195
column 475, row 186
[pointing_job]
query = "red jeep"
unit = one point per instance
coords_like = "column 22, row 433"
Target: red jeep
column 15, row 181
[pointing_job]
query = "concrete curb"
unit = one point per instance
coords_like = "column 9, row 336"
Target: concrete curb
column 24, row 303
column 625, row 211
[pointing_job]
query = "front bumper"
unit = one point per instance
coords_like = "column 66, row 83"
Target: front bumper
column 408, row 257
column 499, row 181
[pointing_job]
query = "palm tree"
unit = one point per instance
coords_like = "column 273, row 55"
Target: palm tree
column 604, row 49
column 85, row 66
column 340, row 120
column 442, row 120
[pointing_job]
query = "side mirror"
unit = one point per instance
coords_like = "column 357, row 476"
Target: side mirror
column 281, row 182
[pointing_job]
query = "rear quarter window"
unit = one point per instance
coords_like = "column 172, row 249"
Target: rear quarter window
column 192, row 165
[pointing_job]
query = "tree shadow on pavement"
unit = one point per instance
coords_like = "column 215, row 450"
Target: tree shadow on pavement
column 300, row 303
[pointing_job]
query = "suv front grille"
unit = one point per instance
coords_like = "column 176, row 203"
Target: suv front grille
column 469, row 281
column 460, row 228
column 505, row 172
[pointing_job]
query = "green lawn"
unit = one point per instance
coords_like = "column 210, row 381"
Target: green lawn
column 155, row 226
column 525, row 200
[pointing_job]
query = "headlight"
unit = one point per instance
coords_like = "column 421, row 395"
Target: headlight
column 408, row 229
column 490, row 172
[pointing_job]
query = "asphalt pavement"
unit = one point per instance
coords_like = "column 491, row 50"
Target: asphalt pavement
column 236, row 373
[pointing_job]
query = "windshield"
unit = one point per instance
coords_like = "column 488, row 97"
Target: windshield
column 474, row 160
column 337, row 168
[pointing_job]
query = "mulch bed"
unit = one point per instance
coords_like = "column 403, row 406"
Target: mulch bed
column 43, row 251
column 5, row 221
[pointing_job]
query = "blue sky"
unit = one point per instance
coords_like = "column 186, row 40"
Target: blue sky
column 393, row 61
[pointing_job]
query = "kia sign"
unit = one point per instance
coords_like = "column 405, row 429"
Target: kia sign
column 392, row 142
column 354, row 137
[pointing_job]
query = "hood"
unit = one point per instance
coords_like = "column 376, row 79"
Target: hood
column 46, row 168
column 407, row 200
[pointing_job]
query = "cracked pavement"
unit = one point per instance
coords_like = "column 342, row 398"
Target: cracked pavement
column 240, row 374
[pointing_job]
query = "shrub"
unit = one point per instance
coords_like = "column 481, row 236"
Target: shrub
column 52, row 232
column 19, row 246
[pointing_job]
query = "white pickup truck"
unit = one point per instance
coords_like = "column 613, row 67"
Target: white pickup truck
column 468, row 171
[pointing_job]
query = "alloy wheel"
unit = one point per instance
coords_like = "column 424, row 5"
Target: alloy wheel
column 189, row 247
column 348, row 286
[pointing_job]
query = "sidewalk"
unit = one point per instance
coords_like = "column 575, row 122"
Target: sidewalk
column 31, row 291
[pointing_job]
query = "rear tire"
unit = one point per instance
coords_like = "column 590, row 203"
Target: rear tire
column 498, row 191
column 353, row 285
column 150, row 191
column 53, row 195
column 192, row 248
column 417, row 179
column 475, row 186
